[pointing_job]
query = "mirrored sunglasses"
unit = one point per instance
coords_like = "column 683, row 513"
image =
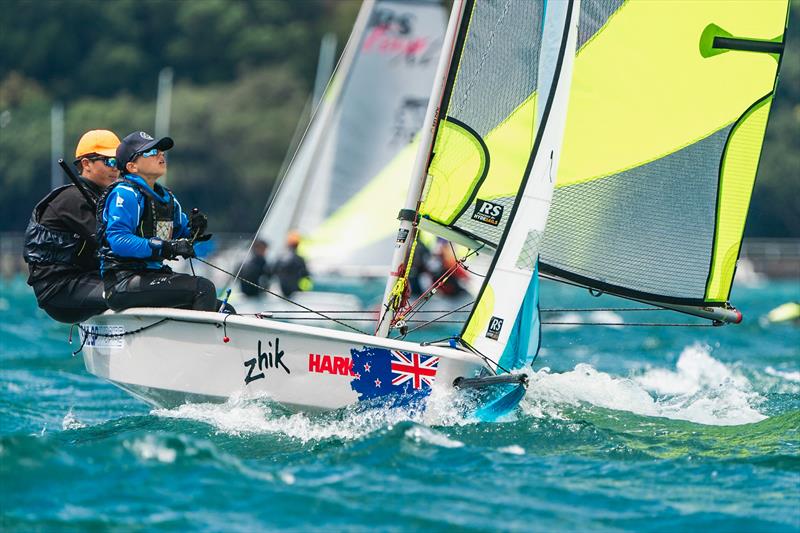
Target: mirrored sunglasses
column 150, row 153
column 107, row 161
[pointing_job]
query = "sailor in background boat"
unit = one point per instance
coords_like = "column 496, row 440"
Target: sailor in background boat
column 141, row 224
column 444, row 264
column 256, row 270
column 60, row 241
column 291, row 269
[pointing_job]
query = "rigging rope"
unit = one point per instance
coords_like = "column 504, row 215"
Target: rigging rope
column 416, row 307
column 308, row 309
column 438, row 319
column 87, row 332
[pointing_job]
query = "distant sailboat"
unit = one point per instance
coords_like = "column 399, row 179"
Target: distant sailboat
column 352, row 167
column 490, row 158
column 349, row 173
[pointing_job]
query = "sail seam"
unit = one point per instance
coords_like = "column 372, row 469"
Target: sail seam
column 647, row 161
column 603, row 27
column 460, row 106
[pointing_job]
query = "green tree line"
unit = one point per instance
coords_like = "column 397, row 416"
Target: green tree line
column 243, row 73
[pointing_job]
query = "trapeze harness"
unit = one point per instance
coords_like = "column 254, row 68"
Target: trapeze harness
column 46, row 246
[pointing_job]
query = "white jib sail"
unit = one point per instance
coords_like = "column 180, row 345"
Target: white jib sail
column 490, row 323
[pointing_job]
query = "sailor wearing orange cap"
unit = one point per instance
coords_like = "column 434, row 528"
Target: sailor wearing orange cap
column 291, row 269
column 60, row 241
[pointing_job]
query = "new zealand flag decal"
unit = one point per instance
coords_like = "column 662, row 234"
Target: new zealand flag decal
column 379, row 371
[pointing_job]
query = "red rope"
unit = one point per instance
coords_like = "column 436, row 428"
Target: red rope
column 435, row 285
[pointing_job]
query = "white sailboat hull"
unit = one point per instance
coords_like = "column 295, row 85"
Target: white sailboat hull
column 167, row 357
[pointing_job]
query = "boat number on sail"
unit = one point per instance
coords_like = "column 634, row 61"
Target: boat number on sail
column 104, row 336
column 488, row 212
column 495, row 325
column 271, row 359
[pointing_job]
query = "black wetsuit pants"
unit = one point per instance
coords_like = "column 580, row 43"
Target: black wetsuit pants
column 159, row 288
column 78, row 298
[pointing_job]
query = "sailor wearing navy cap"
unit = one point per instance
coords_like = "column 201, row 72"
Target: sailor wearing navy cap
column 141, row 224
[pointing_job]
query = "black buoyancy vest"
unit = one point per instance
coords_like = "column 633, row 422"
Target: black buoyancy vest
column 157, row 220
column 45, row 246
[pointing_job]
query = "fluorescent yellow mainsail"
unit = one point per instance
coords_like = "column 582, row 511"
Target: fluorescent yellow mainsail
column 666, row 119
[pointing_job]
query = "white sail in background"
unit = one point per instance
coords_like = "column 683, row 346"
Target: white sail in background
column 359, row 148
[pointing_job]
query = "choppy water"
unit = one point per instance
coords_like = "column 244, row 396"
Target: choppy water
column 622, row 429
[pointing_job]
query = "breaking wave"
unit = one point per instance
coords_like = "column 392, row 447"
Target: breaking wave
column 700, row 389
column 261, row 416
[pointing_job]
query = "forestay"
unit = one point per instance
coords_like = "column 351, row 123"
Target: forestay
column 667, row 114
column 353, row 165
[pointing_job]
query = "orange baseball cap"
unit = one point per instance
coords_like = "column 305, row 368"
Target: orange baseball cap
column 102, row 142
column 293, row 238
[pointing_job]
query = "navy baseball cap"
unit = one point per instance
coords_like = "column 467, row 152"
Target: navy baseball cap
column 138, row 142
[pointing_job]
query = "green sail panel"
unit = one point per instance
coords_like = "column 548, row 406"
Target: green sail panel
column 484, row 141
column 661, row 148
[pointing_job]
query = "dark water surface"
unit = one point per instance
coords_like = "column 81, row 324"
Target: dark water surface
column 622, row 429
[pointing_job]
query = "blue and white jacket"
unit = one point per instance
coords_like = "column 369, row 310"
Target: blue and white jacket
column 133, row 220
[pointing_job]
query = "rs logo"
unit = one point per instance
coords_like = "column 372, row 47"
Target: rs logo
column 490, row 209
column 488, row 212
column 495, row 326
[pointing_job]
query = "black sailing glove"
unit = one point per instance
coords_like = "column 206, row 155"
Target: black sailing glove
column 198, row 224
column 177, row 248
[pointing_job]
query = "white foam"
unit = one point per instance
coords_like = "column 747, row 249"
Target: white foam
column 287, row 477
column 513, row 450
column 422, row 434
column 248, row 416
column 610, row 318
column 149, row 448
column 71, row 422
column 566, row 321
column 586, row 384
column 788, row 376
column 444, row 407
column 700, row 389
column 571, row 320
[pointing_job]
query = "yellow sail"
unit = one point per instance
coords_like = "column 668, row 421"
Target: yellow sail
column 667, row 115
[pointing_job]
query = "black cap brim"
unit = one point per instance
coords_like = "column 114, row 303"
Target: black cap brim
column 163, row 144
